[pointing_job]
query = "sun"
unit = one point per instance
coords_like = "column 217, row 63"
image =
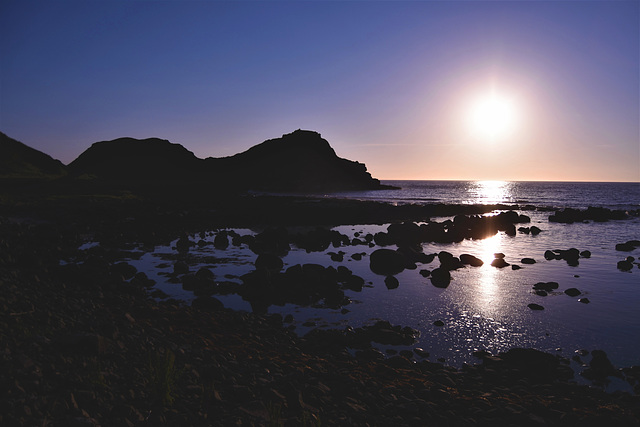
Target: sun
column 492, row 116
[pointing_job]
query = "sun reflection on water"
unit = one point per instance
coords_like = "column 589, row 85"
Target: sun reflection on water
column 489, row 192
column 488, row 292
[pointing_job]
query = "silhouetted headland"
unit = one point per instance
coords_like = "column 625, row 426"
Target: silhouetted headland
column 301, row 161
column 20, row 161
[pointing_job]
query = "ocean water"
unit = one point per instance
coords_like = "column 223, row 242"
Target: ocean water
column 577, row 195
column 484, row 308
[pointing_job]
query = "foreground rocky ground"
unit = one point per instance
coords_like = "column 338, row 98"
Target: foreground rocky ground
column 80, row 345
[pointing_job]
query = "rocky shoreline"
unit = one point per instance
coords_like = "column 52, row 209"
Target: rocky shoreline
column 80, row 345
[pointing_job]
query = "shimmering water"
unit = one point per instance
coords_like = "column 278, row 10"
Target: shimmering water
column 483, row 307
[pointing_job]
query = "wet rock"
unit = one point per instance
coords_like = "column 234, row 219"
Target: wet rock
column 336, row 256
column 204, row 273
column 625, row 265
column 425, row 273
column 627, row 246
column 180, row 267
column 600, row 367
column 270, row 262
column 387, row 262
column 440, row 278
column 541, row 293
column 448, row 261
column 584, row 300
column 499, row 263
column 585, row 254
column 420, row 352
column 221, row 241
column 515, row 267
column 550, row 255
column 572, row 292
column 535, row 230
column 438, row 323
column 391, row 282
column 569, row 215
column 534, row 306
column 471, row 260
column 546, row 286
column 127, row 271
column 528, row 261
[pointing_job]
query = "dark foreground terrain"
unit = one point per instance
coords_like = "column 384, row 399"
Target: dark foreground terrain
column 82, row 344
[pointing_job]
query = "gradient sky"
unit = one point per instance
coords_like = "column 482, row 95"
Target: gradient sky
column 387, row 83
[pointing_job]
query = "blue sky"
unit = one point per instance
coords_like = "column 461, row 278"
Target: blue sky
column 387, row 83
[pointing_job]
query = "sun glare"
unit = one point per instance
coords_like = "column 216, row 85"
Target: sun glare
column 492, row 117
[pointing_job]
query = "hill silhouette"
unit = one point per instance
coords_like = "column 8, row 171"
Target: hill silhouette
column 299, row 161
column 20, row 161
column 151, row 159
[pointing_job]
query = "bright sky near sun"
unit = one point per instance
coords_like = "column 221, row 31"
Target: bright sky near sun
column 487, row 90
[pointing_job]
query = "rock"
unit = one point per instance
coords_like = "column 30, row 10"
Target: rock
column 546, row 286
column 270, row 262
column 499, row 263
column 221, row 241
column 440, row 278
column 498, row 255
column 534, row 306
column 356, row 256
column 585, row 254
column 528, row 261
column 549, row 255
column 387, row 262
column 572, row 292
column 180, row 267
column 420, row 352
column 535, row 230
column 204, row 274
column 127, row 271
column 541, row 293
column 584, row 300
column 448, row 261
column 438, row 323
column 391, row 282
column 425, row 273
column 600, row 367
column 625, row 247
column 515, row 267
column 471, row 260
column 624, row 265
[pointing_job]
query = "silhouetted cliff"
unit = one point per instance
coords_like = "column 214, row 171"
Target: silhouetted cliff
column 149, row 159
column 299, row 161
column 20, row 161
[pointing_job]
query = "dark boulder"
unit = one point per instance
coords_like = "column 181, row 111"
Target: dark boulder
column 546, row 286
column 528, row 261
column 391, row 282
column 534, row 306
column 440, row 277
column 499, row 263
column 572, row 292
column 270, row 262
column 625, row 265
column 600, row 367
column 471, row 260
column 387, row 262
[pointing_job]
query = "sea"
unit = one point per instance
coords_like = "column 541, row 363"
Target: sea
column 484, row 308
